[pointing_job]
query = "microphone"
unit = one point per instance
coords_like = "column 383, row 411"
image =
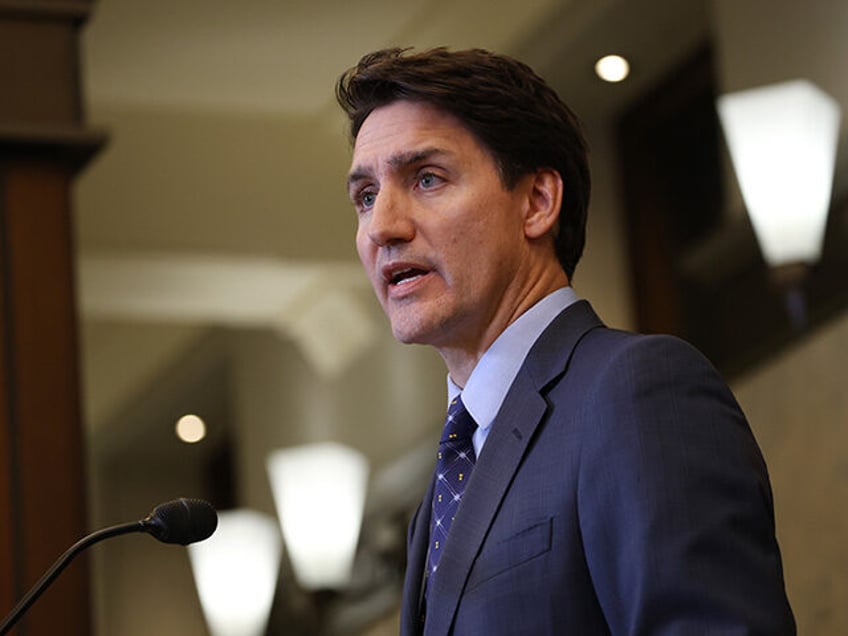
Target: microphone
column 182, row 521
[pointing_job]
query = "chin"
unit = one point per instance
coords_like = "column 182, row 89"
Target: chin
column 407, row 336
column 411, row 331
column 424, row 324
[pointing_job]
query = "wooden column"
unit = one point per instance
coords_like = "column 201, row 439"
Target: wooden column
column 43, row 144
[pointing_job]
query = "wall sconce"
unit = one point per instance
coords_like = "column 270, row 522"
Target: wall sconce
column 782, row 140
column 236, row 572
column 319, row 491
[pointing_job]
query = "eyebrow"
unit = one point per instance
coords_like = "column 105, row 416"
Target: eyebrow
column 396, row 162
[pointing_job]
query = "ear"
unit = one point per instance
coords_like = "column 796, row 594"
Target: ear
column 544, row 199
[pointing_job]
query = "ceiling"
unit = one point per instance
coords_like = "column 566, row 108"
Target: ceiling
column 266, row 56
column 281, row 58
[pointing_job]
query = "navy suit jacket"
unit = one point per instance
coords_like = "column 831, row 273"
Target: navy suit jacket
column 620, row 491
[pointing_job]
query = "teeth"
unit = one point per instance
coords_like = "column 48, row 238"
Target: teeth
column 411, row 278
column 405, row 276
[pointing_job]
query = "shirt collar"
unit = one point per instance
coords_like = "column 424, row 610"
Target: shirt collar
column 496, row 370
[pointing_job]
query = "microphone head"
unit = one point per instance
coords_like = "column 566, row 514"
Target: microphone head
column 181, row 521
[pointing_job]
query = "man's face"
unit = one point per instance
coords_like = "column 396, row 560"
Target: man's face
column 439, row 235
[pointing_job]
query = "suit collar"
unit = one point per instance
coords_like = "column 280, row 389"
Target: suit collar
column 495, row 371
column 549, row 357
column 513, row 428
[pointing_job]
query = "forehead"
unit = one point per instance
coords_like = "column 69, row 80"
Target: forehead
column 406, row 126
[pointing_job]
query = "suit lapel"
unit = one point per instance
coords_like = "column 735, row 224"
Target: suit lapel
column 505, row 446
column 513, row 428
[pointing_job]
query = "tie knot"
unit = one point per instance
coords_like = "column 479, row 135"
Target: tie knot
column 459, row 423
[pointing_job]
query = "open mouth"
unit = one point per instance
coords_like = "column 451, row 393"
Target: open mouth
column 408, row 275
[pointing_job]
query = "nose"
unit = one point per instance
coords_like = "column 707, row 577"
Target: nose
column 390, row 221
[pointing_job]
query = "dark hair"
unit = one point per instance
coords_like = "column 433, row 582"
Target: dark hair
column 510, row 110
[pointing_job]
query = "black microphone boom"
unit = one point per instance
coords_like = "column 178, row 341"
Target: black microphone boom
column 181, row 521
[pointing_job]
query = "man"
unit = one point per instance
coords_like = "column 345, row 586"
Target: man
column 609, row 483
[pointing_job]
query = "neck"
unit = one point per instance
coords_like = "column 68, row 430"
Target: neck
column 461, row 359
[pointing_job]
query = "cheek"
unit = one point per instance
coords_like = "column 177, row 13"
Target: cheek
column 368, row 257
column 362, row 246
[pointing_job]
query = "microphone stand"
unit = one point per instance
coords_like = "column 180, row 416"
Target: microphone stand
column 61, row 563
column 181, row 521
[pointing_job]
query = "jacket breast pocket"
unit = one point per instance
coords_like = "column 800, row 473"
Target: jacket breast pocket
column 511, row 552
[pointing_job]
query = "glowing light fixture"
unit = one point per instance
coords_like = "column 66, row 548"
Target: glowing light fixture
column 236, row 571
column 782, row 140
column 612, row 68
column 191, row 429
column 319, row 491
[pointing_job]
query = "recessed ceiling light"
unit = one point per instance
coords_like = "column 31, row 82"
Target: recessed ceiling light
column 612, row 68
column 191, row 429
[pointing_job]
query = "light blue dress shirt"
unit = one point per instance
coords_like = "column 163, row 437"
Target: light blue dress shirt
column 486, row 389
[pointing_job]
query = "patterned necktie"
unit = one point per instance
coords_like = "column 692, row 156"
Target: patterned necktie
column 455, row 461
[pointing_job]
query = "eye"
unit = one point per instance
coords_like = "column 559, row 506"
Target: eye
column 427, row 180
column 365, row 199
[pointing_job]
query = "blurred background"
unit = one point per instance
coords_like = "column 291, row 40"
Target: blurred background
column 216, row 273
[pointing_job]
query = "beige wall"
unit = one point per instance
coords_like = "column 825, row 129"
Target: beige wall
column 798, row 407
